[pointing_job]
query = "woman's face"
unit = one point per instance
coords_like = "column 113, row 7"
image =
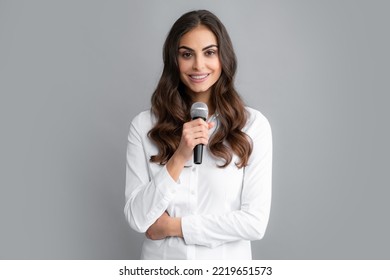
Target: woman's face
column 199, row 63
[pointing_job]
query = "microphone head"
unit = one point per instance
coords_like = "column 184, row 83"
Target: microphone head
column 199, row 110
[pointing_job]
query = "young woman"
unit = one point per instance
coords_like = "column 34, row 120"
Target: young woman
column 198, row 211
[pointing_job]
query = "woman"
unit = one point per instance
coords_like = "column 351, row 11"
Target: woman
column 198, row 211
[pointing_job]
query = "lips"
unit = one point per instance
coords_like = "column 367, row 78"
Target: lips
column 197, row 78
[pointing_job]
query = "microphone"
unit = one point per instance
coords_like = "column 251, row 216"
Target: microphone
column 199, row 110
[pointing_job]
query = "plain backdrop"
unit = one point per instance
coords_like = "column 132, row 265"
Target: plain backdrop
column 74, row 73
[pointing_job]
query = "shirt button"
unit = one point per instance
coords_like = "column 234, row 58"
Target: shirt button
column 193, row 169
column 193, row 192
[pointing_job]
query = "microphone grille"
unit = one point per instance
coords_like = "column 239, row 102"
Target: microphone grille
column 199, row 110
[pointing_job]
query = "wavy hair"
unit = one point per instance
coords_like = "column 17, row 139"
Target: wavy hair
column 171, row 105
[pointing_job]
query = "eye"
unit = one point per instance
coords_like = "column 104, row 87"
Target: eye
column 186, row 55
column 210, row 52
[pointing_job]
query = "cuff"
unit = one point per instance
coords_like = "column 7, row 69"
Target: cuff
column 190, row 226
column 165, row 184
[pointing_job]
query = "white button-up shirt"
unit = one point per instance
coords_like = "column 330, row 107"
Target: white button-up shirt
column 221, row 209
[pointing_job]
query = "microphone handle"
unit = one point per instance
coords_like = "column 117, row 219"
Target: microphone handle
column 198, row 150
column 198, row 154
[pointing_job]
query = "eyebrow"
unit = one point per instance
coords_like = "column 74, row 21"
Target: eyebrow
column 205, row 48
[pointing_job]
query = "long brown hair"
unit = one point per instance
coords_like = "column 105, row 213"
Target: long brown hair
column 171, row 105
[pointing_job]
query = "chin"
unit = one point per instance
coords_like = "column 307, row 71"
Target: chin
column 200, row 91
column 199, row 88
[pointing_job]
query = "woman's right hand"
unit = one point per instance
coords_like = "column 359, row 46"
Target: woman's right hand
column 194, row 132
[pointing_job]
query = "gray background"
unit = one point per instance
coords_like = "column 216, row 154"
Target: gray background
column 74, row 73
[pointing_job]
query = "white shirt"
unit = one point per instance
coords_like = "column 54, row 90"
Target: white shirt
column 222, row 209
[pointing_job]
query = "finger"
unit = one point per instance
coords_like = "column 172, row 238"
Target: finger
column 196, row 132
column 197, row 122
column 201, row 134
column 200, row 140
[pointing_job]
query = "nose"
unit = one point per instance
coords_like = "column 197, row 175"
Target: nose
column 198, row 63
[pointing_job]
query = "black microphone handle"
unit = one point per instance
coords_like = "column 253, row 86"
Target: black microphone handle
column 198, row 154
column 198, row 150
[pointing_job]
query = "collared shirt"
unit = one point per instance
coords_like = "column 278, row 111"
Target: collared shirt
column 221, row 209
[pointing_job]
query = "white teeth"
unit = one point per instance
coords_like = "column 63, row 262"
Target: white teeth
column 198, row 77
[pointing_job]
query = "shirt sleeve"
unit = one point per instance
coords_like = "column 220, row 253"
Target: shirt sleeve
column 147, row 197
column 250, row 222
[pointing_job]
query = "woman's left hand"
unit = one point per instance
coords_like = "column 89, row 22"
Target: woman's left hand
column 163, row 227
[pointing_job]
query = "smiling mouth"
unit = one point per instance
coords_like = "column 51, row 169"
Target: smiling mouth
column 198, row 78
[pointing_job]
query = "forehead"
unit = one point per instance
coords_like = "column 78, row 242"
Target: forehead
column 198, row 37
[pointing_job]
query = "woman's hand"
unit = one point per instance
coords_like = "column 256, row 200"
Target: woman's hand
column 194, row 132
column 163, row 227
